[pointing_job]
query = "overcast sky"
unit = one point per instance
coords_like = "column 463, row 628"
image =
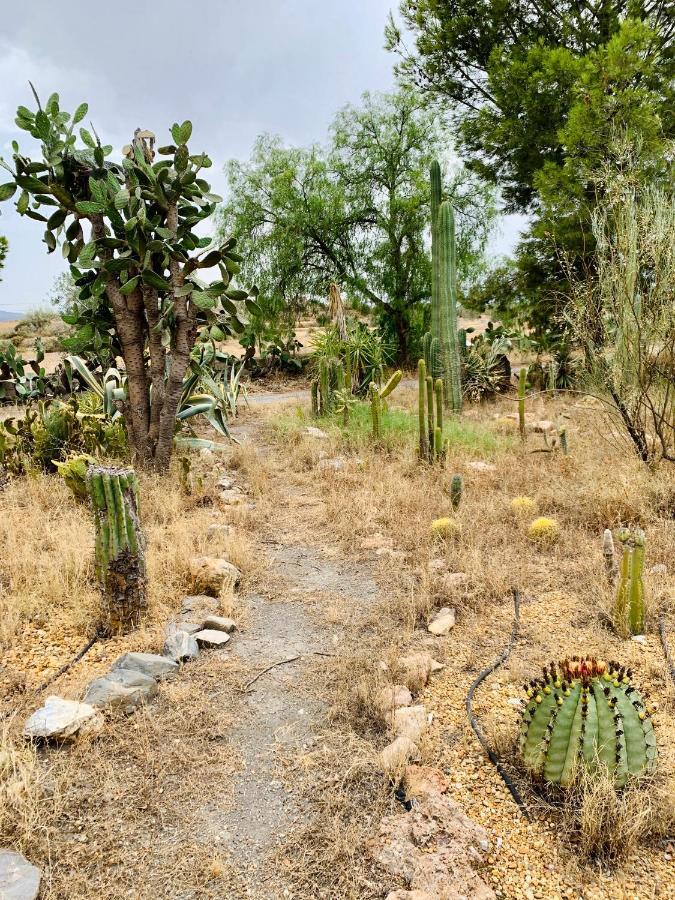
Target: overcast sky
column 234, row 68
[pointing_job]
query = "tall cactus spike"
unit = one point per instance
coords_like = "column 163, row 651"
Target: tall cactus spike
column 636, row 594
column 119, row 546
column 447, row 293
column 391, row 384
column 375, row 411
column 430, row 412
column 522, row 381
column 438, row 390
column 422, row 413
column 456, row 490
column 586, row 712
column 608, row 555
column 427, row 341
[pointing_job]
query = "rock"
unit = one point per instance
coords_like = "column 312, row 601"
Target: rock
column 452, row 580
column 437, row 565
column 180, row 646
column 416, row 669
column 199, row 604
column 226, row 483
column 395, row 756
column 376, row 541
column 410, row 895
column 63, row 720
column 422, row 781
column 442, row 622
column 639, row 639
column 189, row 627
column 391, row 697
column 337, row 464
column 387, row 551
column 658, row 569
column 311, row 431
column 219, row 530
column 151, row 664
column 515, row 701
column 219, row 623
column 543, row 426
column 433, row 849
column 480, row 466
column 410, row 722
column 231, row 498
column 121, row 689
column 212, row 574
column 19, row 880
column 211, row 638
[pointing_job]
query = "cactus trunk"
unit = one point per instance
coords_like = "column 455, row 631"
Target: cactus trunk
column 375, row 411
column 522, row 378
column 120, row 559
column 435, row 178
column 636, row 594
column 448, row 337
column 422, row 413
column 315, row 398
column 430, row 412
column 621, row 601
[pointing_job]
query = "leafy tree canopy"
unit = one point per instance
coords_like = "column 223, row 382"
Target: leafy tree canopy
column 355, row 212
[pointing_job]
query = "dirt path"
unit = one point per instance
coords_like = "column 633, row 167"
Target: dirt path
column 282, row 711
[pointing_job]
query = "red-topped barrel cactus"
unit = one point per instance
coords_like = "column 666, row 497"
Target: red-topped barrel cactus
column 586, row 712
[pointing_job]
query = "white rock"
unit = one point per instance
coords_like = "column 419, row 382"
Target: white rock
column 187, row 627
column 219, row 623
column 19, row 880
column 377, row 541
column 480, row 466
column 437, row 565
column 226, row 483
column 199, row 603
column 395, row 756
column 336, row 465
column 442, row 622
column 417, row 668
column 543, row 426
column 219, row 530
column 391, row 697
column 151, row 664
column 515, row 701
column 180, row 646
column 63, row 720
column 212, row 574
column 410, row 722
column 122, row 689
column 659, row 569
column 231, row 498
column 639, row 639
column 211, row 638
column 453, row 580
column 311, row 431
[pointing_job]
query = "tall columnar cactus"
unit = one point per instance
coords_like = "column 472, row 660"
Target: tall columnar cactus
column 448, row 337
column 585, row 712
column 608, row 555
column 438, row 391
column 314, row 389
column 375, row 410
column 522, row 381
column 430, row 411
column 324, row 387
column 422, row 411
column 622, row 588
column 120, row 557
column 435, row 179
column 432, row 355
column 456, row 490
column 636, row 594
column 564, row 446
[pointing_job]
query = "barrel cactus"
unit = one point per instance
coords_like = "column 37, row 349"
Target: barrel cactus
column 523, row 505
column 445, row 529
column 544, row 531
column 586, row 712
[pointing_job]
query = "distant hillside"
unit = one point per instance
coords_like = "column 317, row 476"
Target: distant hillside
column 9, row 316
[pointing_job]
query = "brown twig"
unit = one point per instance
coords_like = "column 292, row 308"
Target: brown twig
column 273, row 666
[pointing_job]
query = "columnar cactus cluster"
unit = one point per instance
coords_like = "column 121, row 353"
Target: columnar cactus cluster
column 629, row 605
column 120, row 557
column 442, row 353
column 586, row 712
column 430, row 411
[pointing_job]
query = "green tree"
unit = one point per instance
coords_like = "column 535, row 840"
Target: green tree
column 128, row 230
column 355, row 212
column 538, row 92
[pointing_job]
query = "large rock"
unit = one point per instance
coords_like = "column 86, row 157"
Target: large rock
column 180, row 645
column 311, row 431
column 219, row 623
column 188, row 627
column 394, row 758
column 198, row 606
column 63, row 720
column 151, row 664
column 433, row 849
column 416, row 669
column 218, row 531
column 212, row 639
column 19, row 880
column 410, row 722
column 211, row 575
column 442, row 623
column 121, row 689
column 391, row 697
column 423, row 781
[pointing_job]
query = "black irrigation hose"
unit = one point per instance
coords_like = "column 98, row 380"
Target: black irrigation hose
column 64, row 668
column 503, row 656
column 666, row 648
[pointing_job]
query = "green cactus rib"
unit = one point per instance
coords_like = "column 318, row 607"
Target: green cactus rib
column 448, row 337
column 438, row 443
column 562, row 434
column 421, row 406
column 586, row 712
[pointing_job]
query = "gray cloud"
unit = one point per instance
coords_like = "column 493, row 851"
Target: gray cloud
column 234, row 68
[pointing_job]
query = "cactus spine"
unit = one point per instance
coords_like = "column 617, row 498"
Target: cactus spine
column 456, row 490
column 120, row 559
column 586, row 712
column 448, row 337
column 522, row 378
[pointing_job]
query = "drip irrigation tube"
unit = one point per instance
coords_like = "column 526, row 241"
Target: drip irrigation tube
column 494, row 759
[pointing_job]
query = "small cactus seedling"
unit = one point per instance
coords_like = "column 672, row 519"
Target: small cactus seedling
column 585, row 712
column 608, row 555
column 445, row 529
column 456, row 490
column 544, row 531
column 522, row 380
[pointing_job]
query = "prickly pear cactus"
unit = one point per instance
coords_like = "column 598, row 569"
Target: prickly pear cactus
column 120, row 558
column 586, row 712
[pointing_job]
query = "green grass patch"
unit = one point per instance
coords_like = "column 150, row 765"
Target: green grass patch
column 399, row 430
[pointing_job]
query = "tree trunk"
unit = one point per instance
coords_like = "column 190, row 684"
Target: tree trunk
column 120, row 557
